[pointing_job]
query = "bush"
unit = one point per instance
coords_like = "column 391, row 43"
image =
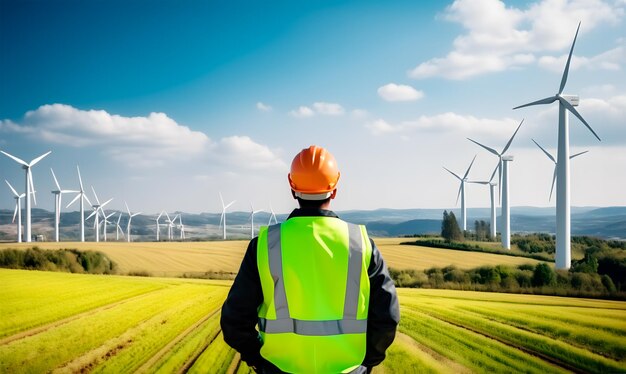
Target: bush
column 66, row 260
column 543, row 275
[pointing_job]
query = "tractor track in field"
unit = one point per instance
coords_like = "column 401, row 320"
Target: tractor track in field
column 552, row 360
column 60, row 322
column 168, row 347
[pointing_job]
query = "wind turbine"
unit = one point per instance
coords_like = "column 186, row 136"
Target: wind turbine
column 130, row 217
column 181, row 227
column 105, row 222
column 567, row 103
column 158, row 226
column 499, row 155
column 492, row 186
column 462, row 192
column 97, row 207
column 118, row 228
column 223, row 217
column 173, row 225
column 169, row 225
column 554, row 161
column 252, row 213
column 506, row 207
column 29, row 187
column 272, row 216
column 18, row 211
column 83, row 197
column 58, row 194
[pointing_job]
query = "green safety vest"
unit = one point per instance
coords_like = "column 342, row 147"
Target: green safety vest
column 313, row 273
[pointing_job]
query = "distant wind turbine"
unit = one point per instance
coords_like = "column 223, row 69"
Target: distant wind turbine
column 272, row 216
column 58, row 194
column 29, row 187
column 181, row 227
column 158, row 226
column 96, row 209
column 130, row 217
column 563, row 258
column 252, row 213
column 499, row 155
column 18, row 211
column 105, row 222
column 462, row 192
column 223, row 217
column 492, row 186
column 81, row 195
column 554, row 161
column 118, row 228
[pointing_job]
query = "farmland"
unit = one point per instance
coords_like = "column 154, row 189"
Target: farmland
column 176, row 258
column 63, row 322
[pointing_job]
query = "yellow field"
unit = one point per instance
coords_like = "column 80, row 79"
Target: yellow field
column 176, row 258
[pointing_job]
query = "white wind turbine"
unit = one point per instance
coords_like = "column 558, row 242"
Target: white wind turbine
column 130, row 217
column 567, row 103
column 58, row 194
column 18, row 211
column 252, row 213
column 462, row 192
column 500, row 155
column 105, row 222
column 29, row 187
column 97, row 208
column 492, row 196
column 173, row 226
column 554, row 161
column 170, row 224
column 81, row 195
column 223, row 217
column 506, row 207
column 158, row 226
column 181, row 227
column 272, row 216
column 118, row 228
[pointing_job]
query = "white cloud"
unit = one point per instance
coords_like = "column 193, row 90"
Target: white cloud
column 609, row 60
column 329, row 109
column 149, row 141
column 381, row 127
column 263, row 107
column 302, row 112
column 359, row 114
column 399, row 92
column 500, row 37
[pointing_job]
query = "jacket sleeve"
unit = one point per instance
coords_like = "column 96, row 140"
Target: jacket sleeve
column 384, row 312
column 239, row 312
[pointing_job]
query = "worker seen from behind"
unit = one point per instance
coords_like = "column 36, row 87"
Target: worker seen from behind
column 316, row 286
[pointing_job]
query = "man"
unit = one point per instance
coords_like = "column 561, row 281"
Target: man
column 317, row 286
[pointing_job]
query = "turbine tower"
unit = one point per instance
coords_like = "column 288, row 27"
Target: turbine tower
column 499, row 155
column 223, row 217
column 492, row 186
column 272, row 216
column 130, row 217
column 118, row 228
column 18, row 211
column 506, row 208
column 462, row 192
column 83, row 197
column 105, row 222
column 29, row 187
column 554, row 161
column 252, row 213
column 563, row 258
column 158, row 226
column 97, row 207
column 58, row 194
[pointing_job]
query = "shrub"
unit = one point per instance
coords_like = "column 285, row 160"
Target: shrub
column 543, row 275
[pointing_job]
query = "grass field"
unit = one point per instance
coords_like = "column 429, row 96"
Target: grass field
column 175, row 258
column 59, row 322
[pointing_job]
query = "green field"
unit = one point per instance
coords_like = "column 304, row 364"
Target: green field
column 172, row 259
column 59, row 322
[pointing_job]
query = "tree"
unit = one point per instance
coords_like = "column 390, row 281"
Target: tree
column 450, row 227
column 543, row 275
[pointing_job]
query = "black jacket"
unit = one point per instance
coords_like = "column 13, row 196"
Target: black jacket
column 239, row 312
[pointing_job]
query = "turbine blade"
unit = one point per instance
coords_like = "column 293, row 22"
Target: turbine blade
column 80, row 180
column 468, row 169
column 221, row 199
column 55, row 179
column 569, row 59
column 459, row 194
column 92, row 213
column 484, row 146
column 19, row 161
column 544, row 151
column 494, row 172
column 33, row 162
column 553, row 181
column 136, row 214
column 229, row 204
column 118, row 220
column 511, row 140
column 105, row 203
column 14, row 212
column 578, row 154
column 127, row 209
column 478, row 182
column 12, row 189
column 86, row 198
column 95, row 195
column 457, row 177
column 547, row 100
column 73, row 200
column 32, row 185
column 575, row 112
column 159, row 217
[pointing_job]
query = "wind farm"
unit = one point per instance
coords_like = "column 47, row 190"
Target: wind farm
column 185, row 118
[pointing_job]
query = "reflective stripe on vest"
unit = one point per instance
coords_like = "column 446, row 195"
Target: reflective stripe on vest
column 284, row 323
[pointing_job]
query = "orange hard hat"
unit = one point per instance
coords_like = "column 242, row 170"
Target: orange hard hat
column 314, row 174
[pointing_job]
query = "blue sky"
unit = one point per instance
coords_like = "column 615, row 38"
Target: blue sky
column 163, row 104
